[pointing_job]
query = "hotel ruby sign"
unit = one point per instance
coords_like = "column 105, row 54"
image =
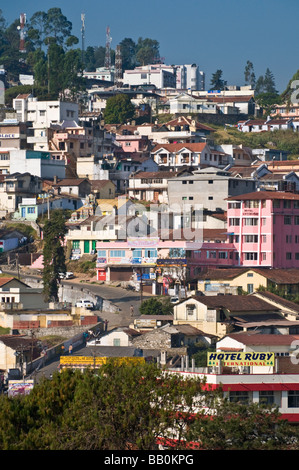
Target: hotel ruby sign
column 241, row 359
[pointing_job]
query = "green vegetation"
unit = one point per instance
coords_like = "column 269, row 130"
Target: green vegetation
column 119, row 109
column 85, row 267
column 53, row 253
column 27, row 230
column 286, row 140
column 125, row 407
column 156, row 306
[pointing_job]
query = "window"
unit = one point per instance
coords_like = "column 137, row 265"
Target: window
column 288, row 238
column 250, row 239
column 116, row 341
column 117, row 253
column 101, row 253
column 266, row 397
column 250, row 256
column 76, row 244
column 210, row 198
column 250, row 221
column 137, row 253
column 211, row 254
column 210, row 181
column 222, row 254
column 287, row 220
column 293, row 399
column 151, row 253
column 234, row 221
column 296, row 221
column 239, row 397
column 251, row 204
column 190, row 309
column 249, row 288
column 234, row 205
column 288, row 255
column 31, row 210
column 286, row 204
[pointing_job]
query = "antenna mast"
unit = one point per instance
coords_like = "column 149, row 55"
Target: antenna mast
column 108, row 50
column 21, row 28
column 83, row 38
column 118, row 66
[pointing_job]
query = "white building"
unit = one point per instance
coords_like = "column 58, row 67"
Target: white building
column 160, row 75
column 43, row 114
column 36, row 163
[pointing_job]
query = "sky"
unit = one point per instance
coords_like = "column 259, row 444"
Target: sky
column 222, row 34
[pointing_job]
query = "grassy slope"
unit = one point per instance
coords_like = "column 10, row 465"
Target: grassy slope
column 282, row 140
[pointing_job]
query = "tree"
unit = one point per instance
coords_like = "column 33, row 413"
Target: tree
column 155, row 306
column 128, row 53
column 217, row 82
column 57, row 25
column 249, row 74
column 147, row 50
column 53, row 254
column 241, row 426
column 259, row 86
column 119, row 109
column 129, row 405
column 269, row 82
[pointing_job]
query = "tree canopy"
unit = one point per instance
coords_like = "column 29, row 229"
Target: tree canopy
column 155, row 306
column 53, row 254
column 122, row 406
column 119, row 109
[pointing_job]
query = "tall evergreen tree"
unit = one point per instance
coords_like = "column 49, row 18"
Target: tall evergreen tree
column 217, row 82
column 53, row 254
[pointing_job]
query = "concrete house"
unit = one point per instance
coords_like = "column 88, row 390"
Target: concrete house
column 207, row 187
column 14, row 187
column 217, row 314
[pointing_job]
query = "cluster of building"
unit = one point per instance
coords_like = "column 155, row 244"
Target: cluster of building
column 164, row 209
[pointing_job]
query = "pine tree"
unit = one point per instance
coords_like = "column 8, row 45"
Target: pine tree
column 53, row 253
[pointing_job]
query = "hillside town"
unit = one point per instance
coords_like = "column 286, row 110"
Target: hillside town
column 177, row 242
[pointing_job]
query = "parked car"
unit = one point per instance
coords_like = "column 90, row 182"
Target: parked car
column 67, row 275
column 174, row 299
column 84, row 304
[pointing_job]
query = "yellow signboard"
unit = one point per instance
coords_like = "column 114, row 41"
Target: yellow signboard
column 241, row 359
column 96, row 361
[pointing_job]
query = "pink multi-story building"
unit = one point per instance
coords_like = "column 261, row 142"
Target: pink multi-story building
column 264, row 227
column 262, row 231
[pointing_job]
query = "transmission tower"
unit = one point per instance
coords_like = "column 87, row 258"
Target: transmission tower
column 118, row 66
column 108, row 50
column 83, row 39
column 21, row 28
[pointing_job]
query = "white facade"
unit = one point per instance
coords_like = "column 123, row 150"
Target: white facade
column 24, row 161
column 160, row 75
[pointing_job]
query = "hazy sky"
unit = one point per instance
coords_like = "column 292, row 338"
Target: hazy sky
column 222, row 34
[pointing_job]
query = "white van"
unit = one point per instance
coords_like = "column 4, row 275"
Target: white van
column 84, row 304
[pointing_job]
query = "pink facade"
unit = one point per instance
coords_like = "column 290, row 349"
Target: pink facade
column 264, row 227
column 262, row 231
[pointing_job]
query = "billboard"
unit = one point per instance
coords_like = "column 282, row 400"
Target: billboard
column 90, row 361
column 231, row 359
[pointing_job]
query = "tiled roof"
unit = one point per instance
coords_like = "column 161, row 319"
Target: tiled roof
column 236, row 303
column 280, row 276
column 263, row 195
column 288, row 304
column 194, row 147
column 253, row 339
column 5, row 280
column 70, row 182
column 221, row 273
